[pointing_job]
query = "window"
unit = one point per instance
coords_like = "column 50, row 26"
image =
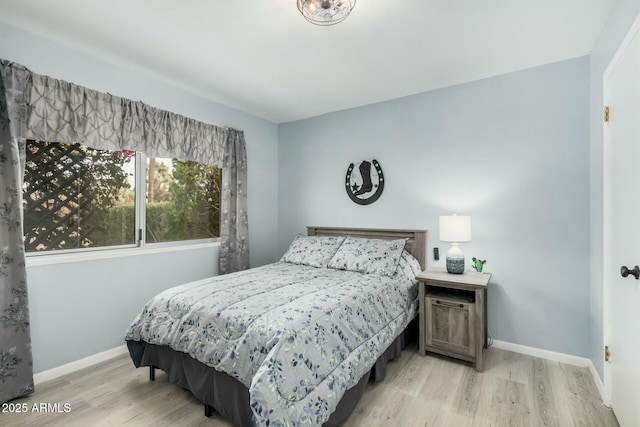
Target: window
column 183, row 200
column 76, row 197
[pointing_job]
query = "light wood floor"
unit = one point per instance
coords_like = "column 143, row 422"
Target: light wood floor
column 514, row 390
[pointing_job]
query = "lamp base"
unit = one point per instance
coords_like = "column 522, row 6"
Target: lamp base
column 455, row 265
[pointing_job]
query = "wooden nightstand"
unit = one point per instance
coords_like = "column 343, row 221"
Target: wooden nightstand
column 453, row 314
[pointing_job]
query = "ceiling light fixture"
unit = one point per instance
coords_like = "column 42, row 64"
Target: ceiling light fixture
column 325, row 12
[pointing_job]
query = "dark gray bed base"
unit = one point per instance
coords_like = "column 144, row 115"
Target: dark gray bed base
column 229, row 396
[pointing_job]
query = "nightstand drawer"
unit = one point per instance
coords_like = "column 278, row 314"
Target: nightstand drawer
column 450, row 324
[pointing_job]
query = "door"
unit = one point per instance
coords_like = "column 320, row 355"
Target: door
column 622, row 230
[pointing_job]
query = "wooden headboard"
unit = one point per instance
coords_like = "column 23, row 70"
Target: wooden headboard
column 416, row 239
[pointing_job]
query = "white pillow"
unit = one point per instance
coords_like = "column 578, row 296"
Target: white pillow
column 370, row 256
column 314, row 251
column 408, row 266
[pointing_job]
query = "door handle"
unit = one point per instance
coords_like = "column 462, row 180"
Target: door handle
column 624, row 271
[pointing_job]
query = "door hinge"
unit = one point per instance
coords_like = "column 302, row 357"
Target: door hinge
column 607, row 353
column 606, row 114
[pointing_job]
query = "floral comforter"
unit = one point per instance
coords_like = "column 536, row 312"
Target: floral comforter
column 298, row 337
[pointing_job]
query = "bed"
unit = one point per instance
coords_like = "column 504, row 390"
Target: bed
column 289, row 343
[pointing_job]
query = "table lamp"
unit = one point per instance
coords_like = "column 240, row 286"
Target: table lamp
column 455, row 229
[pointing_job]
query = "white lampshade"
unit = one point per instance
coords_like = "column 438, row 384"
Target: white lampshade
column 455, row 228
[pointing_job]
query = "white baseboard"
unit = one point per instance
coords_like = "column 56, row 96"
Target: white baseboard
column 544, row 354
column 70, row 367
column 599, row 384
column 583, row 362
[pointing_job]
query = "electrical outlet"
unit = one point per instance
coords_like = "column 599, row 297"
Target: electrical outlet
column 436, row 254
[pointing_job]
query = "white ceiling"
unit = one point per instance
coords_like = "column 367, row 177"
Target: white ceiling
column 264, row 58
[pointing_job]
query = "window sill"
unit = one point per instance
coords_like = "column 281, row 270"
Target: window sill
column 39, row 260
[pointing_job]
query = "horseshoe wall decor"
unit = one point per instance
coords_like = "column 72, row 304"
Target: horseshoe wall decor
column 364, row 184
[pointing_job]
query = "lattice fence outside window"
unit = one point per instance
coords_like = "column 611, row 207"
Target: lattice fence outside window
column 69, row 191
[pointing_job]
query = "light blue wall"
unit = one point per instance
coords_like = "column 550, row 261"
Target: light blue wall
column 511, row 151
column 81, row 309
column 619, row 22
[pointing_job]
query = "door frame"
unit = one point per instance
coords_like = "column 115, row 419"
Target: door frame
column 606, row 213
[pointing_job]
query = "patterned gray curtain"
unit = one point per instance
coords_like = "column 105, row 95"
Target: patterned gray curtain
column 65, row 112
column 234, row 221
column 16, row 367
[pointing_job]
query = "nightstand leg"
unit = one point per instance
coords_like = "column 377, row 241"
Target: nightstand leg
column 421, row 317
column 480, row 329
column 486, row 323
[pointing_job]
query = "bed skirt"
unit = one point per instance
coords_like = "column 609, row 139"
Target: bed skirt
column 229, row 397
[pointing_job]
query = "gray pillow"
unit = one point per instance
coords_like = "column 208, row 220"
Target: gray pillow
column 314, row 251
column 370, row 256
